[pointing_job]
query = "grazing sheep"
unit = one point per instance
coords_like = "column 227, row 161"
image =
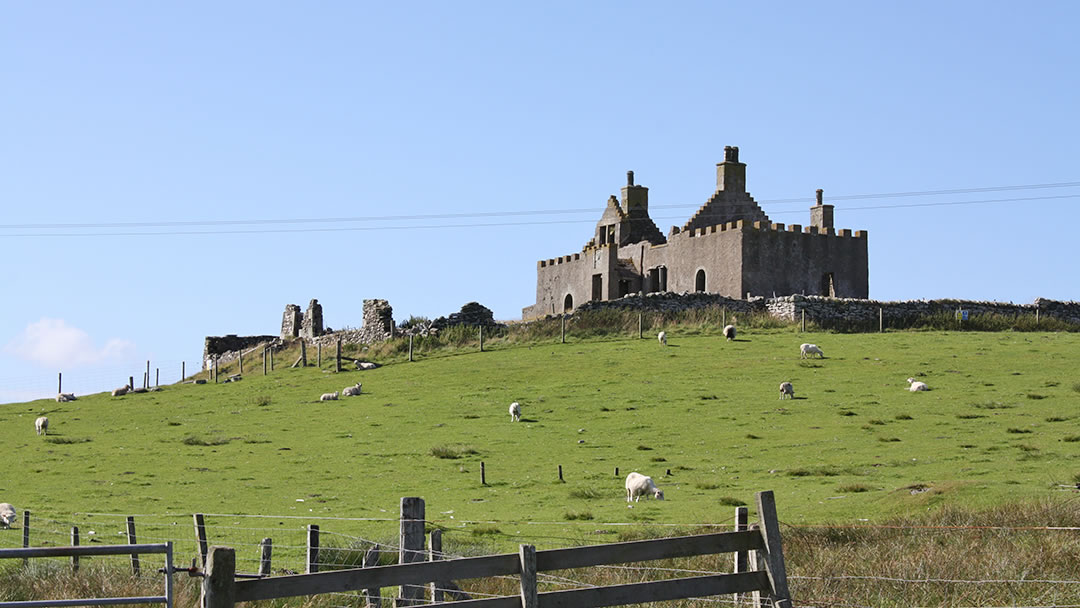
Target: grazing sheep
column 7, row 515
column 65, row 397
column 807, row 351
column 638, row 484
column 787, row 389
column 729, row 332
column 41, row 425
column 329, row 396
column 515, row 412
column 662, row 336
column 123, row 390
column 351, row 391
column 917, row 386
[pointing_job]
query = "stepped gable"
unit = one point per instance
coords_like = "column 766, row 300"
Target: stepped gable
column 731, row 202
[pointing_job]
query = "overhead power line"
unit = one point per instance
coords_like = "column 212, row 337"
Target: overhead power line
column 593, row 210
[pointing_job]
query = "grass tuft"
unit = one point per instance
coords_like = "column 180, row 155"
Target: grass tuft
column 854, row 488
column 578, row 515
column 729, row 501
column 66, row 440
column 586, row 493
column 205, row 441
column 452, row 451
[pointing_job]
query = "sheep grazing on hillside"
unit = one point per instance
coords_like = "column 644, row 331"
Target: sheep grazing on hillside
column 662, row 337
column 65, row 397
column 638, row 484
column 41, row 425
column 515, row 412
column 329, row 396
column 7, row 515
column 807, row 351
column 351, row 391
column 123, row 390
column 917, row 386
column 729, row 332
column 786, row 390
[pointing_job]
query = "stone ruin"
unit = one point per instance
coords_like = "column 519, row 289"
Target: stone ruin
column 295, row 324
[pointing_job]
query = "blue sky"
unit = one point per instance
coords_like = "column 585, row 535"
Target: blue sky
column 134, row 112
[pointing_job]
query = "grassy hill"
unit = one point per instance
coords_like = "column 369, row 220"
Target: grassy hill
column 1000, row 424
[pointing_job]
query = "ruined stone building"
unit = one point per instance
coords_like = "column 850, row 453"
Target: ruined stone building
column 729, row 247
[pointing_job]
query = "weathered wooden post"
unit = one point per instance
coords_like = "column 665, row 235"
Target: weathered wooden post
column 135, row 570
column 303, row 352
column 183, row 370
column 412, row 546
column 483, row 474
column 312, row 548
column 74, row 543
column 200, row 537
column 723, row 316
column 131, row 382
column 560, row 473
column 1036, row 315
column 434, row 555
column 337, row 360
column 529, row 596
column 215, row 370
column 562, row 328
column 271, row 358
column 880, row 319
column 218, row 590
column 639, row 323
column 318, row 356
column 410, row 347
column 803, row 319
column 59, row 382
column 26, row 535
column 741, row 557
column 373, row 594
column 616, row 471
column 774, row 553
column 240, row 358
column 146, row 378
column 481, row 338
column 157, row 377
column 264, row 361
column 266, row 549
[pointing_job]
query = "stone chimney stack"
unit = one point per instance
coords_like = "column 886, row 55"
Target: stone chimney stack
column 635, row 199
column 821, row 215
column 731, row 174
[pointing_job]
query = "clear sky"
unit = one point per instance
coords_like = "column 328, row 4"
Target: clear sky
column 116, row 113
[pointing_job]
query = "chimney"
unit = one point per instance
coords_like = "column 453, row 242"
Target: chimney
column 821, row 215
column 731, row 174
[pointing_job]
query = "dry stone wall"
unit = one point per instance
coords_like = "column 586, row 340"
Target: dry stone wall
column 670, row 301
column 227, row 348
column 819, row 308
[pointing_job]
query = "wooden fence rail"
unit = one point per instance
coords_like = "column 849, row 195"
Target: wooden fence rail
column 761, row 543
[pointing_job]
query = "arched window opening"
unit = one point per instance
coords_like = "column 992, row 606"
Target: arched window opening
column 568, row 303
column 699, row 281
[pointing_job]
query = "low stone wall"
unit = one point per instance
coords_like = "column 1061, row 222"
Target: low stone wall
column 227, row 348
column 820, row 308
column 670, row 301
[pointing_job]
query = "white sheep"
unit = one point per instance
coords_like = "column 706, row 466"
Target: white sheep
column 662, row 336
column 638, row 484
column 351, row 391
column 7, row 515
column 65, row 397
column 515, row 412
column 123, row 390
column 729, row 332
column 787, row 390
column 365, row 365
column 917, row 386
column 329, row 396
column 807, row 351
column 41, row 425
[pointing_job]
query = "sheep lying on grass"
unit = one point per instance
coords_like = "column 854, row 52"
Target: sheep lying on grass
column 807, row 351
column 729, row 332
column 662, row 336
column 638, row 484
column 329, row 396
column 515, row 412
column 363, row 365
column 7, row 515
column 917, row 386
column 41, row 425
column 65, row 397
column 351, row 391
column 786, row 390
column 123, row 390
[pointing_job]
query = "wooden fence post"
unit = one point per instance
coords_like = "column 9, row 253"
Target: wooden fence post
column 434, row 555
column 74, row 543
column 312, row 549
column 303, row 352
column 183, row 370
column 774, row 553
column 410, row 347
column 318, row 355
column 803, row 319
column 264, row 361
column 146, row 378
column 373, row 594
column 481, row 338
column 218, row 590
column 562, row 329
column 215, row 370
column 240, row 358
column 529, row 597
column 741, row 557
column 157, row 377
column 200, row 537
column 131, row 382
column 412, row 546
column 880, row 319
column 560, row 473
column 271, row 358
column 1036, row 316
column 723, row 316
column 60, row 381
column 135, row 570
column 337, row 361
column 266, row 548
column 483, row 474
column 26, row 535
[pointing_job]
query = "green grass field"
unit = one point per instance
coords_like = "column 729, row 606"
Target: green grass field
column 1000, row 424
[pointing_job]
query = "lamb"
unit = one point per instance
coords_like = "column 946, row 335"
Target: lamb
column 638, row 484
column 7, row 515
column 123, row 390
column 351, row 391
column 662, row 336
column 515, row 412
column 787, row 389
column 729, row 332
column 917, row 386
column 64, row 397
column 807, row 351
column 41, row 425
column 329, row 396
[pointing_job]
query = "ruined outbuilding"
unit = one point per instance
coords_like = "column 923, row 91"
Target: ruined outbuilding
column 729, row 247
